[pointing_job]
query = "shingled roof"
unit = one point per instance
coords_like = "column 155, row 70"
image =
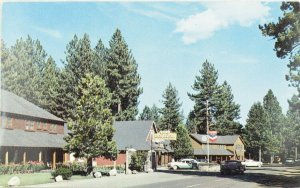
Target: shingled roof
column 23, row 138
column 11, row 103
column 133, row 134
column 227, row 139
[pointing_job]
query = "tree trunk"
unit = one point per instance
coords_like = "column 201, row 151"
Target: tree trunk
column 89, row 165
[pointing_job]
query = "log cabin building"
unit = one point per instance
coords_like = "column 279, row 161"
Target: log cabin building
column 228, row 147
column 29, row 133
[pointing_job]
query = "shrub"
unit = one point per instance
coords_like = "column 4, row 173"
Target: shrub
column 138, row 160
column 64, row 171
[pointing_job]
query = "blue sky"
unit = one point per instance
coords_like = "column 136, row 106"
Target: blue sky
column 169, row 40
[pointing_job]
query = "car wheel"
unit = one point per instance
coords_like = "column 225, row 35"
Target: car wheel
column 175, row 167
column 259, row 165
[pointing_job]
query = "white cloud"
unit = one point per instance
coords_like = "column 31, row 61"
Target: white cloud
column 49, row 32
column 220, row 15
column 150, row 11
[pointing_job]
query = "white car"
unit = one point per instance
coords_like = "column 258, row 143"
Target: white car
column 250, row 162
column 183, row 164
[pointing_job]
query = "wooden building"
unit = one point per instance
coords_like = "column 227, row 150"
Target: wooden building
column 29, row 133
column 137, row 135
column 224, row 148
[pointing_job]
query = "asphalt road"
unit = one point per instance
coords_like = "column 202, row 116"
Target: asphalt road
column 253, row 177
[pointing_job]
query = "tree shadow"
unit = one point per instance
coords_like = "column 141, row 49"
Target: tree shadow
column 267, row 180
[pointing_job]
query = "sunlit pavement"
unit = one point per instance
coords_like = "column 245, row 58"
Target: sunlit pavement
column 253, row 177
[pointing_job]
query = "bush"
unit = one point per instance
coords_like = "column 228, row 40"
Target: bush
column 138, row 161
column 64, row 171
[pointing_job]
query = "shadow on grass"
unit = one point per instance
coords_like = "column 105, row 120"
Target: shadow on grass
column 264, row 179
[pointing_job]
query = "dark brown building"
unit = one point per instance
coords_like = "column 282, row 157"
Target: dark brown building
column 29, row 133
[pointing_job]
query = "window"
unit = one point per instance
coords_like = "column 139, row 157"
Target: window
column 45, row 127
column 6, row 122
column 29, row 125
column 39, row 125
column 53, row 128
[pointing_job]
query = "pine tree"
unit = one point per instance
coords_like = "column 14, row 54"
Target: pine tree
column 21, row 68
column 91, row 130
column 80, row 59
column 100, row 58
column 182, row 146
column 207, row 89
column 146, row 114
column 122, row 78
column 255, row 136
column 50, row 87
column 274, row 124
column 150, row 114
column 171, row 116
column 227, row 112
column 155, row 113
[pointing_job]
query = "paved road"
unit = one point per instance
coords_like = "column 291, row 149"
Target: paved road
column 255, row 177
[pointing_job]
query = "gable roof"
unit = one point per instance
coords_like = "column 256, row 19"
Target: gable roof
column 11, row 103
column 227, row 139
column 133, row 134
column 21, row 138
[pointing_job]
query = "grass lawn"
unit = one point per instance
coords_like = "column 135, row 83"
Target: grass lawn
column 35, row 178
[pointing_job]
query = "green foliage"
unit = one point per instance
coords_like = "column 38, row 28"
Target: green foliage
column 122, row 78
column 256, row 136
column 64, row 171
column 91, row 130
column 22, row 168
column 138, row 160
column 182, row 146
column 286, row 32
column 150, row 114
column 274, row 124
column 79, row 61
column 171, row 116
column 222, row 111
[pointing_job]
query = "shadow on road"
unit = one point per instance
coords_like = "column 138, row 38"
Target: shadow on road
column 264, row 179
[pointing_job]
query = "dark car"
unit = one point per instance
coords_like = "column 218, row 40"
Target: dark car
column 232, row 167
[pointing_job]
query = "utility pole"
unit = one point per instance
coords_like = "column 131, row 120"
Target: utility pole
column 207, row 129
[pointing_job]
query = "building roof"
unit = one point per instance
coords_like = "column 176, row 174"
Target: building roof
column 21, row 138
column 11, row 103
column 228, row 139
column 133, row 134
column 213, row 152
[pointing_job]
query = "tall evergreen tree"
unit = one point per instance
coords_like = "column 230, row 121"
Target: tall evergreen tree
column 274, row 124
column 122, row 78
column 21, row 68
column 182, row 146
column 146, row 114
column 207, row 89
column 286, row 32
column 50, row 87
column 227, row 112
column 150, row 114
column 171, row 115
column 91, row 129
column 80, row 59
column 255, row 136
column 100, row 58
column 155, row 113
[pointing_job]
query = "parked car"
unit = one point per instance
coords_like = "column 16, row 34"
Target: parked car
column 250, row 162
column 232, row 166
column 183, row 164
column 289, row 161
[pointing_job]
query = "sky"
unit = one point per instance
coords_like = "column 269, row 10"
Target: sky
column 169, row 40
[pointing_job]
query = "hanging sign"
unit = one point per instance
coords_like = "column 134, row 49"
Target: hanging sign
column 165, row 135
column 212, row 135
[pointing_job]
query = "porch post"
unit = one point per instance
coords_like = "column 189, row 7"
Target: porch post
column 6, row 158
column 24, row 157
column 40, row 156
column 54, row 160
